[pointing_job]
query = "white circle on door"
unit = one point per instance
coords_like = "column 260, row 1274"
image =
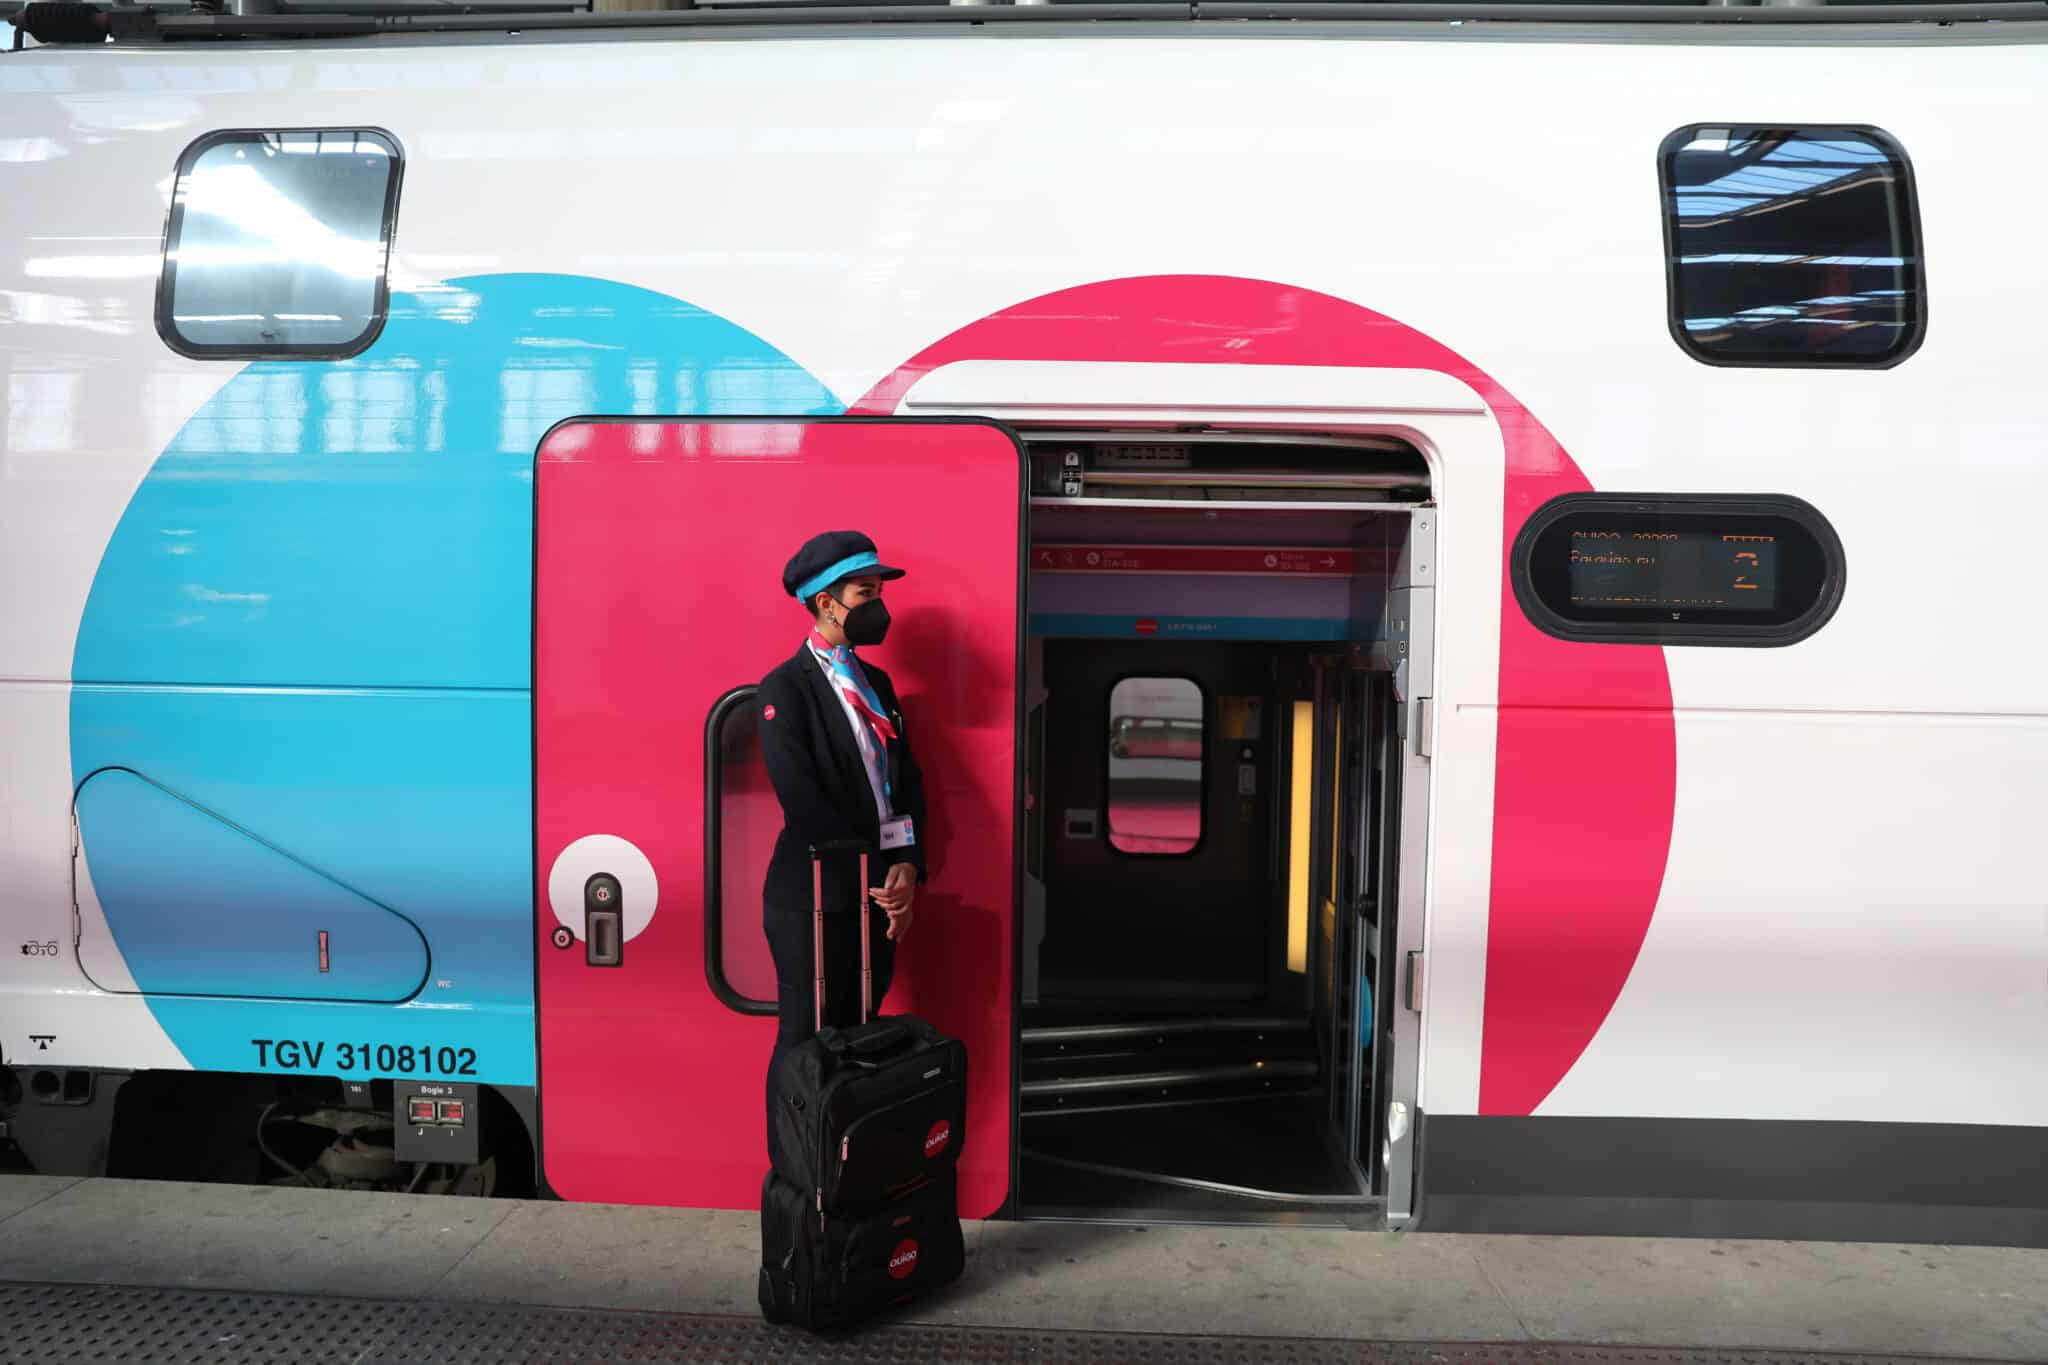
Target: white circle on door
column 639, row 891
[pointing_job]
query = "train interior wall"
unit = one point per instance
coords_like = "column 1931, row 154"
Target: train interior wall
column 1211, row 809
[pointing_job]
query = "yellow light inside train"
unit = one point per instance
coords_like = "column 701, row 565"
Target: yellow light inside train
column 1302, row 763
column 1336, row 810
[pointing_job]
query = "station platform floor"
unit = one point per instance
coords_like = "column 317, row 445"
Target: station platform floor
column 123, row 1270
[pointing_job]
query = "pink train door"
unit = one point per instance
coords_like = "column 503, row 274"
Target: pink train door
column 658, row 604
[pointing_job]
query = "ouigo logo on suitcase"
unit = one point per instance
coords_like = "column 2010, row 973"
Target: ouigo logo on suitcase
column 904, row 1262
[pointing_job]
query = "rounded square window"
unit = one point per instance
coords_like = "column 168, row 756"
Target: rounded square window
column 1678, row 569
column 1155, row 765
column 277, row 244
column 1791, row 246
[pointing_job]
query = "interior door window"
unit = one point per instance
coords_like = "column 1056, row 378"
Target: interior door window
column 1155, row 766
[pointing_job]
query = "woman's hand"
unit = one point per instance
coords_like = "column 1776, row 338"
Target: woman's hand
column 895, row 895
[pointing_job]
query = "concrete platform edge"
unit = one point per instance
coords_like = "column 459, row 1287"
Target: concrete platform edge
column 1958, row 1302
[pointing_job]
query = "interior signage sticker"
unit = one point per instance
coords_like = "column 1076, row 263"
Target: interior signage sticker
column 1203, row 559
column 1134, row 456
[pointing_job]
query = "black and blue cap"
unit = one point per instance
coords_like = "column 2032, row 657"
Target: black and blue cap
column 828, row 558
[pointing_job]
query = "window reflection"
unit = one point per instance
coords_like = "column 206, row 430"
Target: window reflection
column 1791, row 245
column 1155, row 765
column 749, row 819
column 278, row 242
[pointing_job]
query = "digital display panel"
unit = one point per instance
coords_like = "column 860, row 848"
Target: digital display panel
column 1678, row 568
column 1653, row 566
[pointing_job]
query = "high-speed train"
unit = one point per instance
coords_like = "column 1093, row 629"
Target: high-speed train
column 1471, row 619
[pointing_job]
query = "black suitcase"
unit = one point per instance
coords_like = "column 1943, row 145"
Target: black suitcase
column 869, row 1122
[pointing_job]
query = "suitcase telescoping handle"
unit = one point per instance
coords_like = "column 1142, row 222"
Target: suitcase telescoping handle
column 867, row 971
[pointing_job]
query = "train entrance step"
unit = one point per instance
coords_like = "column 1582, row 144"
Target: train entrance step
column 1091, row 1066
column 49, row 1322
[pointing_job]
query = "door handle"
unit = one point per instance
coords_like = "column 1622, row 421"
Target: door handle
column 603, row 944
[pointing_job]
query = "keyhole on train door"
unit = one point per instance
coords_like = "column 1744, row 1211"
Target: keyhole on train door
column 603, row 925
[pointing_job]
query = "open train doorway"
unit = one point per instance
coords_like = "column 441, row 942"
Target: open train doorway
column 1227, row 656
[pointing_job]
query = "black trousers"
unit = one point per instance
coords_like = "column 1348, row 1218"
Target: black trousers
column 789, row 943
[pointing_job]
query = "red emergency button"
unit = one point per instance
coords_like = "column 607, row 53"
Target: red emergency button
column 419, row 1111
column 452, row 1111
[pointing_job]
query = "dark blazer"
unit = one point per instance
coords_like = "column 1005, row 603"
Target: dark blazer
column 823, row 785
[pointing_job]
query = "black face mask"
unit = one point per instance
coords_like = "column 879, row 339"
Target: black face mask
column 866, row 624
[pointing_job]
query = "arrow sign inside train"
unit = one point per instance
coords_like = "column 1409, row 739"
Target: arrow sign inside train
column 1208, row 559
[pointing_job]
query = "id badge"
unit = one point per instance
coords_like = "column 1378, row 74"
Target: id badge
column 898, row 833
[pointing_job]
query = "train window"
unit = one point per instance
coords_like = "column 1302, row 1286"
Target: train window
column 1678, row 569
column 1155, row 765
column 1791, row 246
column 277, row 244
column 742, row 818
